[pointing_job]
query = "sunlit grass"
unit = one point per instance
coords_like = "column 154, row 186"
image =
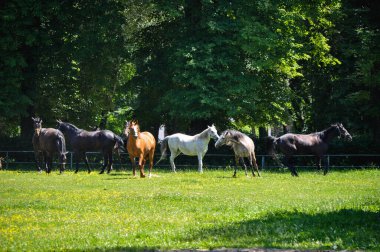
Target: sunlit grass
column 189, row 210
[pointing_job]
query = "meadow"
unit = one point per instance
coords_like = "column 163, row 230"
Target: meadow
column 187, row 210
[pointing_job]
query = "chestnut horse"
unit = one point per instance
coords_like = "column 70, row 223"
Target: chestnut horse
column 140, row 145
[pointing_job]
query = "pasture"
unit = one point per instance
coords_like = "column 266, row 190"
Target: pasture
column 188, row 210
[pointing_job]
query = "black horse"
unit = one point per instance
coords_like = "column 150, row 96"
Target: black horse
column 314, row 144
column 83, row 141
column 48, row 141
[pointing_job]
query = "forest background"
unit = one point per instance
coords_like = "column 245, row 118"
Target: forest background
column 242, row 64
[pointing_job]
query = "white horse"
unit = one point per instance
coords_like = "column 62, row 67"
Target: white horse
column 196, row 145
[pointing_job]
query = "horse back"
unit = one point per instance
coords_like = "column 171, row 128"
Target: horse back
column 149, row 140
column 188, row 145
column 301, row 143
column 144, row 144
column 47, row 140
column 244, row 147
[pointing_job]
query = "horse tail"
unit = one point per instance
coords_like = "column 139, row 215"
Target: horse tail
column 61, row 146
column 271, row 145
column 119, row 142
column 163, row 147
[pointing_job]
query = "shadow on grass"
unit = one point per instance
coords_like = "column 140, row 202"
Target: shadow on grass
column 345, row 229
column 341, row 230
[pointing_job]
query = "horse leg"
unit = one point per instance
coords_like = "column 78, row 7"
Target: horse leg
column 77, row 157
column 173, row 155
column 236, row 165
column 289, row 163
column 117, row 152
column 292, row 167
column 50, row 163
column 105, row 162
column 133, row 165
column 151, row 156
column 243, row 165
column 318, row 161
column 86, row 162
column 47, row 162
column 37, row 158
column 62, row 160
column 141, row 165
column 253, row 163
column 326, row 165
column 110, row 161
column 200, row 163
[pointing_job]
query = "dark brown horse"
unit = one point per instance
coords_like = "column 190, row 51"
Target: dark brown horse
column 82, row 141
column 47, row 141
column 314, row 144
column 140, row 145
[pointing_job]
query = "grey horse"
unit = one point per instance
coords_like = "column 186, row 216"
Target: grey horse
column 242, row 145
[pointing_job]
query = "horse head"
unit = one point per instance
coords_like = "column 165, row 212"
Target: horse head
column 343, row 132
column 223, row 139
column 61, row 126
column 213, row 133
column 37, row 124
column 134, row 128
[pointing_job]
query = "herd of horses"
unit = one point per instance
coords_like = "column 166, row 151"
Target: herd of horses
column 141, row 145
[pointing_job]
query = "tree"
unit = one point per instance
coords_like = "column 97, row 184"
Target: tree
column 228, row 60
column 62, row 59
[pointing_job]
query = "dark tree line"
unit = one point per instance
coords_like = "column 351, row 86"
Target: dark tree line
column 242, row 64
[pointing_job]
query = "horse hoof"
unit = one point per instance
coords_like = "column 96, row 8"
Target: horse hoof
column 101, row 172
column 142, row 176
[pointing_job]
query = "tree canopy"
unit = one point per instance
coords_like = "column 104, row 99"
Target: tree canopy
column 191, row 63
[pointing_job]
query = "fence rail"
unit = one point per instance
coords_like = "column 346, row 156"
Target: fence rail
column 22, row 159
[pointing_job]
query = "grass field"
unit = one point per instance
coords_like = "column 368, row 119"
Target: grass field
column 189, row 210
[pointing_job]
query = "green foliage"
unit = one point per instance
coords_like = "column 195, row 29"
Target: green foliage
column 230, row 60
column 188, row 210
column 190, row 63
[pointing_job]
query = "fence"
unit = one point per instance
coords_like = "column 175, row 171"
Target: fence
column 25, row 160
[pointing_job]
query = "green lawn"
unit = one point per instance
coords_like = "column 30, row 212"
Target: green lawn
column 189, row 210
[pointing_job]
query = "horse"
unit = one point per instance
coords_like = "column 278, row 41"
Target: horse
column 242, row 145
column 196, row 145
column 48, row 141
column 140, row 145
column 315, row 144
column 83, row 141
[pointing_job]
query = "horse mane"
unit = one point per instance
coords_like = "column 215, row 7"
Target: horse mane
column 72, row 127
column 202, row 134
column 324, row 133
column 237, row 135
